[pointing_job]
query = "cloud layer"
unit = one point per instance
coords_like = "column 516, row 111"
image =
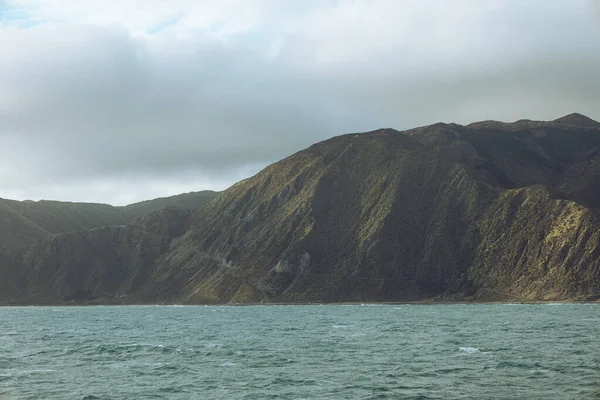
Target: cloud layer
column 150, row 98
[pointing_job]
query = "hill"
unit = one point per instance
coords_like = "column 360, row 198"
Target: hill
column 490, row 211
column 185, row 200
column 27, row 222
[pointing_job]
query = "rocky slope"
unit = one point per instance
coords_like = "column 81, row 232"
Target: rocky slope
column 487, row 211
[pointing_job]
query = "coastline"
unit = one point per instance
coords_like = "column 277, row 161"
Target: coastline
column 365, row 303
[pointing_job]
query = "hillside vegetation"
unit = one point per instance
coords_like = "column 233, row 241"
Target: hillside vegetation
column 23, row 223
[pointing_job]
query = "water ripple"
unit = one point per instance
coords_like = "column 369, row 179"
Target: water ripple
column 325, row 352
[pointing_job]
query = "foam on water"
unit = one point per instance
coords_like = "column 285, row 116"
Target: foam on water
column 37, row 371
column 469, row 350
column 228, row 364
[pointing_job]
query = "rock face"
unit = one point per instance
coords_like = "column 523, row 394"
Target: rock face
column 488, row 211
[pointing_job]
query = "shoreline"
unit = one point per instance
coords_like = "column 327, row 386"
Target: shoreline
column 366, row 303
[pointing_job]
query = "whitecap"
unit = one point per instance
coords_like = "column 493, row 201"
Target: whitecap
column 228, row 364
column 118, row 365
column 38, row 371
column 542, row 371
column 339, row 326
column 469, row 350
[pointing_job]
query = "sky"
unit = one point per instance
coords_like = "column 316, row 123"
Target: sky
column 120, row 101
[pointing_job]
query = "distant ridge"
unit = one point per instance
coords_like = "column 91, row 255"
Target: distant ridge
column 577, row 119
column 25, row 222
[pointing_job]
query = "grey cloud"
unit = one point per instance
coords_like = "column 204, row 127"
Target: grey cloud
column 117, row 109
column 540, row 88
column 94, row 113
column 596, row 8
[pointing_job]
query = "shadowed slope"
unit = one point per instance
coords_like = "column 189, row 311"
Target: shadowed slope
column 16, row 230
column 27, row 222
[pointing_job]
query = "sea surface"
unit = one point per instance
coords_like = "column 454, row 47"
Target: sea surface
column 301, row 352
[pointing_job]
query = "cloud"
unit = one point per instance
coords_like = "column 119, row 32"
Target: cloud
column 596, row 8
column 144, row 98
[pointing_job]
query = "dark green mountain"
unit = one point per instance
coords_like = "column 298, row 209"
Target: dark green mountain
column 27, row 222
column 485, row 212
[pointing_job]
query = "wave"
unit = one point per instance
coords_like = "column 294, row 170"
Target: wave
column 534, row 368
column 37, row 371
column 136, row 347
column 469, row 350
column 543, row 371
column 228, row 364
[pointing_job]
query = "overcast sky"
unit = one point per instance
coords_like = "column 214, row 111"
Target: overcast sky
column 119, row 101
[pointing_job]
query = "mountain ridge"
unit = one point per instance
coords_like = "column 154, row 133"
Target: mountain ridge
column 482, row 212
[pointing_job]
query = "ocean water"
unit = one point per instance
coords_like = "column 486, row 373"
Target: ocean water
column 301, row 352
